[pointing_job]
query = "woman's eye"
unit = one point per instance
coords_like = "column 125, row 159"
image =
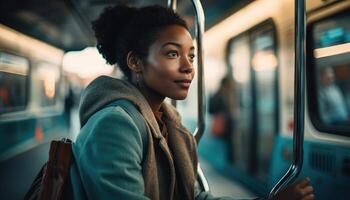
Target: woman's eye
column 192, row 56
column 172, row 54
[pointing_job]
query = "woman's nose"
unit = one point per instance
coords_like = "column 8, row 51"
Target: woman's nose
column 186, row 66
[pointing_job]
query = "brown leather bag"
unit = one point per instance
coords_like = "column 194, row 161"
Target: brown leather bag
column 53, row 180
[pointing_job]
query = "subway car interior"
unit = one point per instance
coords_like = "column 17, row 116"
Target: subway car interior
column 274, row 74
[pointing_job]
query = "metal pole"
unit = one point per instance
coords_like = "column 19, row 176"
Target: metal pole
column 172, row 4
column 202, row 180
column 299, row 95
column 201, row 95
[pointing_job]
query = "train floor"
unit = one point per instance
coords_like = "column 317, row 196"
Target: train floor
column 222, row 186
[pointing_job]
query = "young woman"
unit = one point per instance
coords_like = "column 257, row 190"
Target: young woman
column 153, row 48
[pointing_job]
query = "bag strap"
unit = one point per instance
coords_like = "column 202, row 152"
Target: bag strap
column 135, row 114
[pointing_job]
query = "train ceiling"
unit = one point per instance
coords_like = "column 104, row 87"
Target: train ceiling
column 66, row 23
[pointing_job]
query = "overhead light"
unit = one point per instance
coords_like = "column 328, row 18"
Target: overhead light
column 264, row 61
column 332, row 50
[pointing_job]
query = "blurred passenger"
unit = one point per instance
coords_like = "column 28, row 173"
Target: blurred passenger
column 347, row 96
column 332, row 105
column 4, row 93
column 221, row 107
column 154, row 49
column 68, row 105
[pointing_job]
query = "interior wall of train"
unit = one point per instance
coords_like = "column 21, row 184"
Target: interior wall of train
column 252, row 46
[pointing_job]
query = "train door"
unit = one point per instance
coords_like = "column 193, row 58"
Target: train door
column 253, row 59
column 264, row 76
column 239, row 59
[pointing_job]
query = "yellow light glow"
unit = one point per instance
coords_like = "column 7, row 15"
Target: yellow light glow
column 332, row 50
column 8, row 34
column 240, row 21
column 240, row 61
column 49, row 75
column 86, row 63
column 264, row 61
column 49, row 85
column 29, row 44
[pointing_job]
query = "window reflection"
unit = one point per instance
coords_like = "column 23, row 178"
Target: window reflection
column 332, row 63
column 332, row 104
column 13, row 78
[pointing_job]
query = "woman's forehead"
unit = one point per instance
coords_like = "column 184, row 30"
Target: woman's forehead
column 175, row 34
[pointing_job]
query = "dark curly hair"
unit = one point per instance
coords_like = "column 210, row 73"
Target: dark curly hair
column 121, row 29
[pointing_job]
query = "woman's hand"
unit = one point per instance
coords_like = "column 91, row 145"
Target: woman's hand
column 300, row 190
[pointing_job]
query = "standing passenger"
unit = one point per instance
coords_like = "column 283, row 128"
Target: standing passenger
column 221, row 107
column 68, row 104
column 153, row 48
column 332, row 104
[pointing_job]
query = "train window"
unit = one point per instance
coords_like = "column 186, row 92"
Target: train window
column 14, row 72
column 329, row 50
column 252, row 57
column 48, row 75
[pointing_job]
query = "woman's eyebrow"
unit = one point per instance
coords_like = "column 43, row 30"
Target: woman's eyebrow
column 175, row 44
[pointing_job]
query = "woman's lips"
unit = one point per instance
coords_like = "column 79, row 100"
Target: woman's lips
column 183, row 83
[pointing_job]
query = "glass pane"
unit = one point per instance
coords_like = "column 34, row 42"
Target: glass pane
column 13, row 82
column 239, row 60
column 264, row 64
column 48, row 75
column 332, row 67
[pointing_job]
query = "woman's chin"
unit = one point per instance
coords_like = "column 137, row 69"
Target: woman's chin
column 179, row 97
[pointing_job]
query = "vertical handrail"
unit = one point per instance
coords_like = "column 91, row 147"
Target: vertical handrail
column 199, row 39
column 201, row 95
column 198, row 133
column 299, row 97
column 173, row 4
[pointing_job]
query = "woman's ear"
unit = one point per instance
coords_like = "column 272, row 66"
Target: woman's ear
column 133, row 62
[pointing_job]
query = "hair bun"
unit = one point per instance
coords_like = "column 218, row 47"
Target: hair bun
column 106, row 32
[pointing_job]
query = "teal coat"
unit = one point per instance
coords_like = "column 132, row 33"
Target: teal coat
column 117, row 172
column 108, row 153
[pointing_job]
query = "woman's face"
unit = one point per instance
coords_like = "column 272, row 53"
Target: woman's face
column 168, row 70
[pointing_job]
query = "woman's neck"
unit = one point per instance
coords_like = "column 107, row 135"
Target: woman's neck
column 153, row 98
column 154, row 103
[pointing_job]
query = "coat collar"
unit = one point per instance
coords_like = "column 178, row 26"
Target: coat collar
column 183, row 149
